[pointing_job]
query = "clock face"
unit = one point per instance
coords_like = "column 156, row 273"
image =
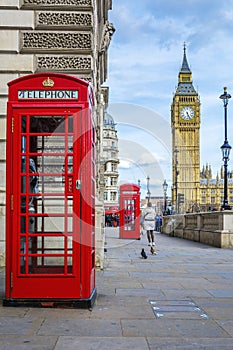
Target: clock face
column 187, row 113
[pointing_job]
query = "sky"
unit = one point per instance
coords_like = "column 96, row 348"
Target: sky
column 145, row 56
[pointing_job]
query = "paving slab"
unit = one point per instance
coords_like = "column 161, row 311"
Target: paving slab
column 121, row 311
column 227, row 325
column 17, row 325
column 221, row 293
column 101, row 343
column 81, row 327
column 13, row 342
column 189, row 343
column 166, row 327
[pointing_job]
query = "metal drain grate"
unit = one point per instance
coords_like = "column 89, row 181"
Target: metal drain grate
column 182, row 309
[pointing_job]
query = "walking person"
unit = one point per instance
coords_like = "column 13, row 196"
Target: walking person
column 159, row 222
column 149, row 216
column 141, row 223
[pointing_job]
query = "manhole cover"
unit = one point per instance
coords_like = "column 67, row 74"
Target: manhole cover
column 183, row 309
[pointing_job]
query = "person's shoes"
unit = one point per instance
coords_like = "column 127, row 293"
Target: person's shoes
column 150, row 244
column 153, row 243
column 152, row 250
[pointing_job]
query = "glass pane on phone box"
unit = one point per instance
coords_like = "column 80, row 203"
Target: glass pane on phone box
column 47, row 124
column 50, row 144
column 48, row 205
column 51, row 184
column 70, row 205
column 51, row 224
column 50, row 242
column 50, row 164
column 23, row 124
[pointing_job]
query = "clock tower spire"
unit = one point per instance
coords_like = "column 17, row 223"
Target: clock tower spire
column 185, row 67
column 185, row 74
column 185, row 123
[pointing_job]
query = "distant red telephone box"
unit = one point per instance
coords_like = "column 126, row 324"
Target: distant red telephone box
column 50, row 192
column 130, row 211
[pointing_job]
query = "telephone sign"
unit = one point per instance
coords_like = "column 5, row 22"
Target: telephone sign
column 48, row 94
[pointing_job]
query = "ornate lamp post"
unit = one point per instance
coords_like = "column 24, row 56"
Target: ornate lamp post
column 165, row 186
column 148, row 189
column 176, row 179
column 226, row 148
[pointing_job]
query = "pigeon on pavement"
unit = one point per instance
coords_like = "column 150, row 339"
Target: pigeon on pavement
column 143, row 254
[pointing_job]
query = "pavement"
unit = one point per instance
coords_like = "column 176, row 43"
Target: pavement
column 181, row 298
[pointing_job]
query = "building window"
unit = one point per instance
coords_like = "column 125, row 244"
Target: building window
column 203, row 200
column 106, row 181
column 106, row 196
column 212, row 200
column 231, row 191
column 113, row 196
column 203, row 192
column 212, row 191
column 113, row 181
column 113, row 167
column 231, row 199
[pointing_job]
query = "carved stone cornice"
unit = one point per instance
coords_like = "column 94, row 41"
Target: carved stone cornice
column 56, row 4
column 51, row 42
column 107, row 33
column 69, row 63
column 64, row 20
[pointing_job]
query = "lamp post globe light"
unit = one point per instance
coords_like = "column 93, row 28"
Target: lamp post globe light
column 225, row 148
column 165, row 187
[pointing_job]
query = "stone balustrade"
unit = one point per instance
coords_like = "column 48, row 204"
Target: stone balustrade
column 212, row 228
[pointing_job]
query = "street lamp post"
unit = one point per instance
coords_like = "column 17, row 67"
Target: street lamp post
column 225, row 148
column 165, row 186
column 176, row 179
column 148, row 189
column 139, row 185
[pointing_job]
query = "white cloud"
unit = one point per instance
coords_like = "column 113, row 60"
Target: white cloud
column 125, row 164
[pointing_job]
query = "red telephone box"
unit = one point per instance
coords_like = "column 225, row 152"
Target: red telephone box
column 50, row 192
column 130, row 211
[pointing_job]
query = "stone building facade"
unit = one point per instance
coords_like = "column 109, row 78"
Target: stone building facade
column 65, row 36
column 111, row 161
column 212, row 189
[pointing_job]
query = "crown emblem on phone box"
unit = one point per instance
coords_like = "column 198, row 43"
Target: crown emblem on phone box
column 48, row 82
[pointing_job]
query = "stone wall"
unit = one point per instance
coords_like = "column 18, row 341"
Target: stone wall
column 212, row 228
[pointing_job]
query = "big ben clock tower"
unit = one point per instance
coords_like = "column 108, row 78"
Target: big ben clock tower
column 185, row 123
